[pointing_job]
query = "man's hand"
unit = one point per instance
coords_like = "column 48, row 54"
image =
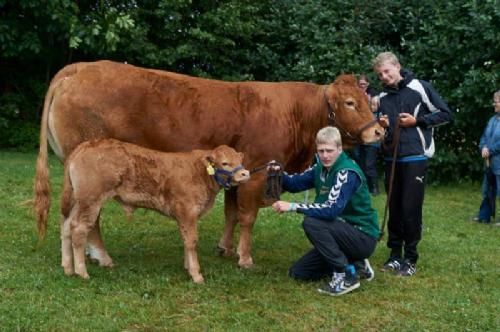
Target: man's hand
column 383, row 121
column 407, row 120
column 485, row 153
column 281, row 206
column 273, row 166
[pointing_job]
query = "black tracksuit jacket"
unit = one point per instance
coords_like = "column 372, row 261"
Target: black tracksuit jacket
column 418, row 98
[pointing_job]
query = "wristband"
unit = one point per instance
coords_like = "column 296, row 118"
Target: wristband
column 292, row 207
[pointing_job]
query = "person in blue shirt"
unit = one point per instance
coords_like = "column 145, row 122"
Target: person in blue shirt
column 341, row 224
column 410, row 109
column 489, row 147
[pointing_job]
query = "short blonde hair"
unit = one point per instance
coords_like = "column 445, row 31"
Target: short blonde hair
column 329, row 135
column 496, row 95
column 384, row 57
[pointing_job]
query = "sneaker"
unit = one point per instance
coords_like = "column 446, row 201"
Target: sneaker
column 367, row 272
column 407, row 269
column 391, row 265
column 480, row 220
column 340, row 284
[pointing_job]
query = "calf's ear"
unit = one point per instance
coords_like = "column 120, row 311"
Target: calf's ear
column 208, row 160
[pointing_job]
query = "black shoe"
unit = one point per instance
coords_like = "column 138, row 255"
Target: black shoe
column 340, row 284
column 407, row 269
column 391, row 265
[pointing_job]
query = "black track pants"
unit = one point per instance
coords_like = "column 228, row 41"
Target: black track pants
column 405, row 208
column 336, row 244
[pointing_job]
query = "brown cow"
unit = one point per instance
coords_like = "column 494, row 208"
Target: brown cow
column 180, row 185
column 173, row 112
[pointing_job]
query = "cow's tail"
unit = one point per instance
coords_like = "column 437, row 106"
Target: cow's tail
column 42, row 186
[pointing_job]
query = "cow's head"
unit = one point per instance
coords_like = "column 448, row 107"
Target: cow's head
column 227, row 166
column 350, row 112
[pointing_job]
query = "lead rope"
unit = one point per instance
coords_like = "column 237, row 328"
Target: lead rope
column 395, row 143
column 274, row 180
column 272, row 190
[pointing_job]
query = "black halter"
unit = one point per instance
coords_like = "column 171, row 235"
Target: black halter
column 225, row 178
column 331, row 122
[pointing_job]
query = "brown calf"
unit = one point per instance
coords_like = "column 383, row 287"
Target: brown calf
column 180, row 185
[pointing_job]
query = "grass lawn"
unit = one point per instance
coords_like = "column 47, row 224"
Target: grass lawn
column 456, row 287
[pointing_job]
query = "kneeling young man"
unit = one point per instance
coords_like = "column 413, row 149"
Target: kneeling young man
column 341, row 224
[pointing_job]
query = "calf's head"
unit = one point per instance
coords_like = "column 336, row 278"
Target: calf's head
column 225, row 164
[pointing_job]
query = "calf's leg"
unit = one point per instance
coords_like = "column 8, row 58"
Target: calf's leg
column 95, row 246
column 66, row 247
column 81, row 225
column 188, row 229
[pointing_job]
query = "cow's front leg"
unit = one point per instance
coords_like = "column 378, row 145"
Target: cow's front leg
column 247, row 221
column 225, row 245
column 249, row 200
column 189, row 233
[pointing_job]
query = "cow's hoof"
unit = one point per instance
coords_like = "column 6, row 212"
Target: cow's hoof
column 225, row 252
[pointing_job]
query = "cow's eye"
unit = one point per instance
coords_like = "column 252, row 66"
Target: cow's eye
column 225, row 164
column 350, row 103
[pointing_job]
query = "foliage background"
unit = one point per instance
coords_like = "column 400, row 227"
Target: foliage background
column 455, row 45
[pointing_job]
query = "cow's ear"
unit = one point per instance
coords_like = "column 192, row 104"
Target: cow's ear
column 346, row 79
column 331, row 94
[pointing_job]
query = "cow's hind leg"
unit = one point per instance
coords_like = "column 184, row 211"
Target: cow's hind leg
column 225, row 245
column 189, row 233
column 82, row 223
column 95, row 246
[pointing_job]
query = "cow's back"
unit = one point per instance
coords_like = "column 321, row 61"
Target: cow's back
column 174, row 112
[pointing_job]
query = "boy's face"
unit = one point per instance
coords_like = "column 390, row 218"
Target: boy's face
column 328, row 153
column 388, row 73
column 496, row 103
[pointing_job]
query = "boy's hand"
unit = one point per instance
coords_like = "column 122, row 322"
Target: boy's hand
column 281, row 206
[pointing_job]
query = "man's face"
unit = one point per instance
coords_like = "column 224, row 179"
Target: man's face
column 389, row 74
column 496, row 103
column 328, row 153
column 363, row 84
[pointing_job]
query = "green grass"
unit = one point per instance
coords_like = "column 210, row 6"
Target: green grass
column 456, row 287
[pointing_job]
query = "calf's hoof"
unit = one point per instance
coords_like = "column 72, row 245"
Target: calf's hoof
column 198, row 279
column 68, row 270
column 106, row 263
column 245, row 263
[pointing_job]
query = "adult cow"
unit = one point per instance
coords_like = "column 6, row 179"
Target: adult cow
column 172, row 112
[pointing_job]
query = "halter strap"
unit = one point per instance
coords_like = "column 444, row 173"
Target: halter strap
column 224, row 178
column 331, row 122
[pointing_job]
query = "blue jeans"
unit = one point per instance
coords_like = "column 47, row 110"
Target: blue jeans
column 490, row 191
